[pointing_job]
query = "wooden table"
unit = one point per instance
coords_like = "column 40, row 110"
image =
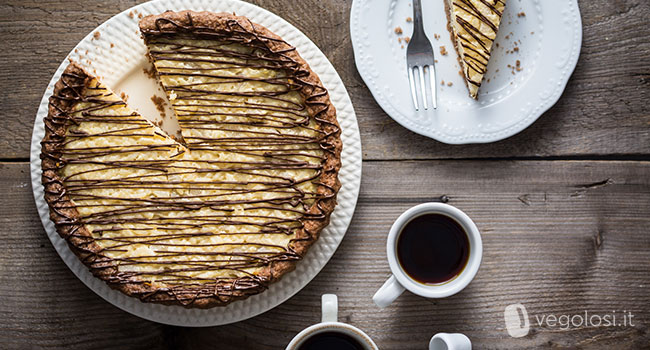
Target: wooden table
column 563, row 207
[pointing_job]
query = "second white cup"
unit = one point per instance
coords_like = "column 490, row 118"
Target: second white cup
column 330, row 323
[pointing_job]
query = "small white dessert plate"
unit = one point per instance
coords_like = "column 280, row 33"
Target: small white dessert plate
column 117, row 56
column 544, row 36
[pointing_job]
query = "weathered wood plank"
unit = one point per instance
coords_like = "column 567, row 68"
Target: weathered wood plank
column 561, row 237
column 602, row 112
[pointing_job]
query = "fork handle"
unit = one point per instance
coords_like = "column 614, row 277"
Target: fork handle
column 418, row 28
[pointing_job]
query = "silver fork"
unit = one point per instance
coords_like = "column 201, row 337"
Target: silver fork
column 419, row 57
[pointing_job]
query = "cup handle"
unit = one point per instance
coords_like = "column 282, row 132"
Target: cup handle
column 330, row 308
column 388, row 292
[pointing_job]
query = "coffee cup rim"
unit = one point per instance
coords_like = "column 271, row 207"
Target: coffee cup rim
column 314, row 329
column 454, row 285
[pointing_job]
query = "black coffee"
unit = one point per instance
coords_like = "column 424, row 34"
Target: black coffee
column 433, row 248
column 331, row 341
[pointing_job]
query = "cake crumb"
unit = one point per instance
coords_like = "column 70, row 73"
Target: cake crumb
column 398, row 30
column 497, row 44
column 139, row 16
column 443, row 50
column 442, row 82
column 160, row 104
column 96, row 35
column 124, row 96
column 521, row 14
column 436, row 36
column 518, row 66
column 516, row 49
column 532, row 33
column 131, row 14
column 402, row 46
column 507, row 36
column 151, row 73
column 407, row 39
column 399, row 40
column 435, row 61
column 450, row 83
column 409, row 19
column 112, row 45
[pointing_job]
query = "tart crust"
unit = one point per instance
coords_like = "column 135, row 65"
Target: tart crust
column 72, row 84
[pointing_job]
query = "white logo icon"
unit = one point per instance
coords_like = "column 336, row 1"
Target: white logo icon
column 517, row 323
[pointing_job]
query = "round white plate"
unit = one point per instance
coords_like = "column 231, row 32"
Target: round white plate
column 548, row 39
column 118, row 65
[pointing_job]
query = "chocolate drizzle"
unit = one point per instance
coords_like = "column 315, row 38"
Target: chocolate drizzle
column 195, row 198
column 475, row 40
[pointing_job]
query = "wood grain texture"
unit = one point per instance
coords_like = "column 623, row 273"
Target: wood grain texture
column 602, row 112
column 561, row 237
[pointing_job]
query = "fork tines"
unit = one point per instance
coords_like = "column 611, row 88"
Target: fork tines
column 422, row 71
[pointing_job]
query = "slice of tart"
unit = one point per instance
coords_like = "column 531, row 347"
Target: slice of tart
column 233, row 212
column 101, row 165
column 473, row 25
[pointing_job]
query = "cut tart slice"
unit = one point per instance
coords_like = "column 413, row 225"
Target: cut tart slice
column 222, row 219
column 473, row 25
column 100, row 161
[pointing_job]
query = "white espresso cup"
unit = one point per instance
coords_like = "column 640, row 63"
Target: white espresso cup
column 329, row 323
column 450, row 341
column 400, row 280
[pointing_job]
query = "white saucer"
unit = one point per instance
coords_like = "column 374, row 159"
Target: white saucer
column 547, row 33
